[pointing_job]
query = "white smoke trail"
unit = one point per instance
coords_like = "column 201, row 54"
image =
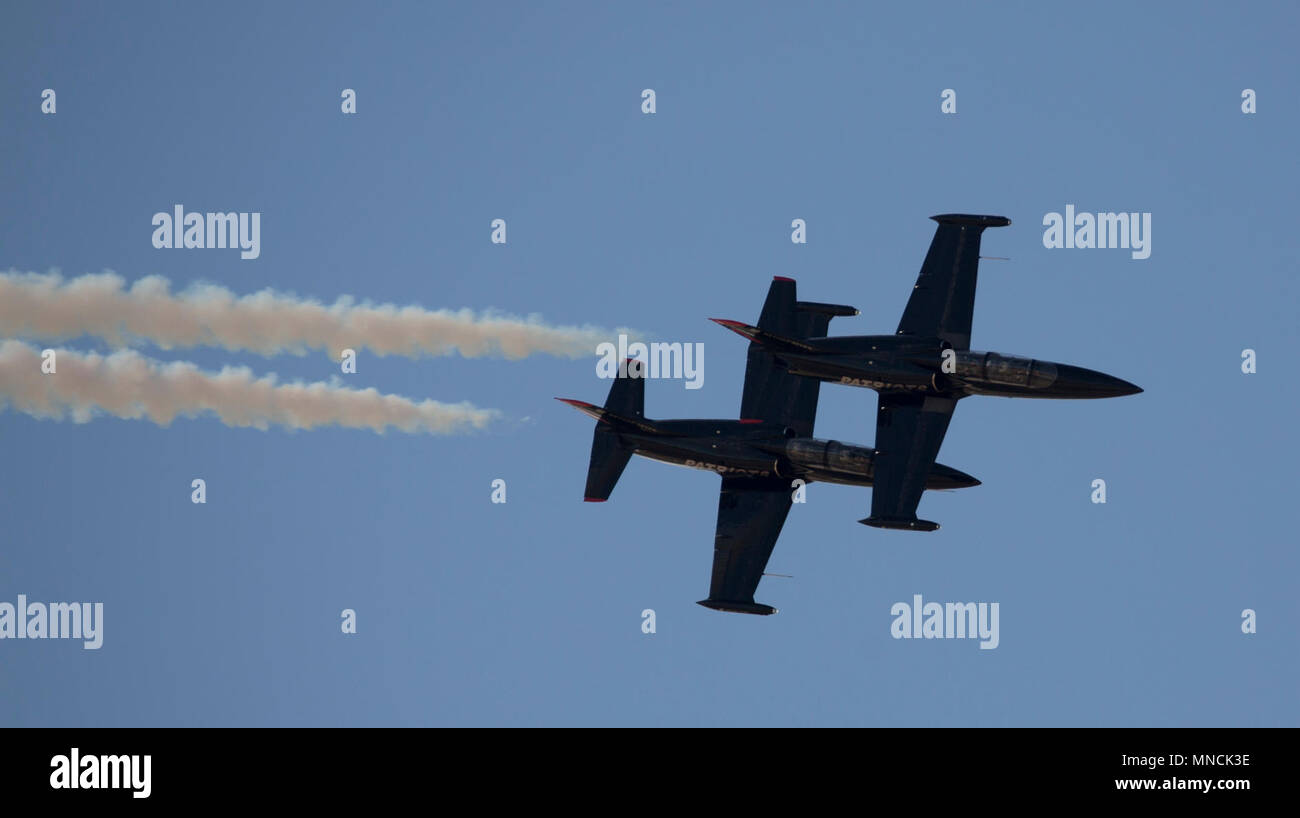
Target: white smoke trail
column 46, row 307
column 126, row 384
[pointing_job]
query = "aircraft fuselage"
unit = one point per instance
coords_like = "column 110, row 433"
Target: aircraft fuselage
column 889, row 363
column 757, row 449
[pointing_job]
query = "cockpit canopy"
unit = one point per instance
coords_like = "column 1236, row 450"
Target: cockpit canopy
column 1005, row 370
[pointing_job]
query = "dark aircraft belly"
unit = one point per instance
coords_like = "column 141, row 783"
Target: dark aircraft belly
column 723, row 460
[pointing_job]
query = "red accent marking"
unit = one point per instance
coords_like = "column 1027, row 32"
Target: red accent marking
column 592, row 500
column 727, row 322
column 782, row 278
column 750, row 420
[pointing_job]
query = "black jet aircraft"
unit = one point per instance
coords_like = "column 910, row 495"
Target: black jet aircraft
column 758, row 455
column 922, row 370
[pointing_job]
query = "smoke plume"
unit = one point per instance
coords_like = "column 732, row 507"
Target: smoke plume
column 49, row 308
column 126, row 384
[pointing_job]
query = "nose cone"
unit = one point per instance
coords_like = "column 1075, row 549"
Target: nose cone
column 1077, row 382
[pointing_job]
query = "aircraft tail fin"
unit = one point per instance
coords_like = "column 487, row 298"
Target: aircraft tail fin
column 782, row 315
column 627, row 394
column 786, row 323
column 624, row 410
column 771, row 393
column 609, row 456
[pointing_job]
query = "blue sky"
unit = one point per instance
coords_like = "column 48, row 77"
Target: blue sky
column 528, row 613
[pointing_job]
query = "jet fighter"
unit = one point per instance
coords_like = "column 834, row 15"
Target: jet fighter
column 759, row 456
column 924, row 368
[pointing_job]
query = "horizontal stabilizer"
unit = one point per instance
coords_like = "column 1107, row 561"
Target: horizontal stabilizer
column 825, row 309
column 588, row 409
column 763, row 337
column 604, row 415
column 738, row 607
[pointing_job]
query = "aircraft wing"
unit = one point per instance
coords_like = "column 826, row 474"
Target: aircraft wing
column 751, row 512
column 770, row 392
column 909, row 432
column 943, row 299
